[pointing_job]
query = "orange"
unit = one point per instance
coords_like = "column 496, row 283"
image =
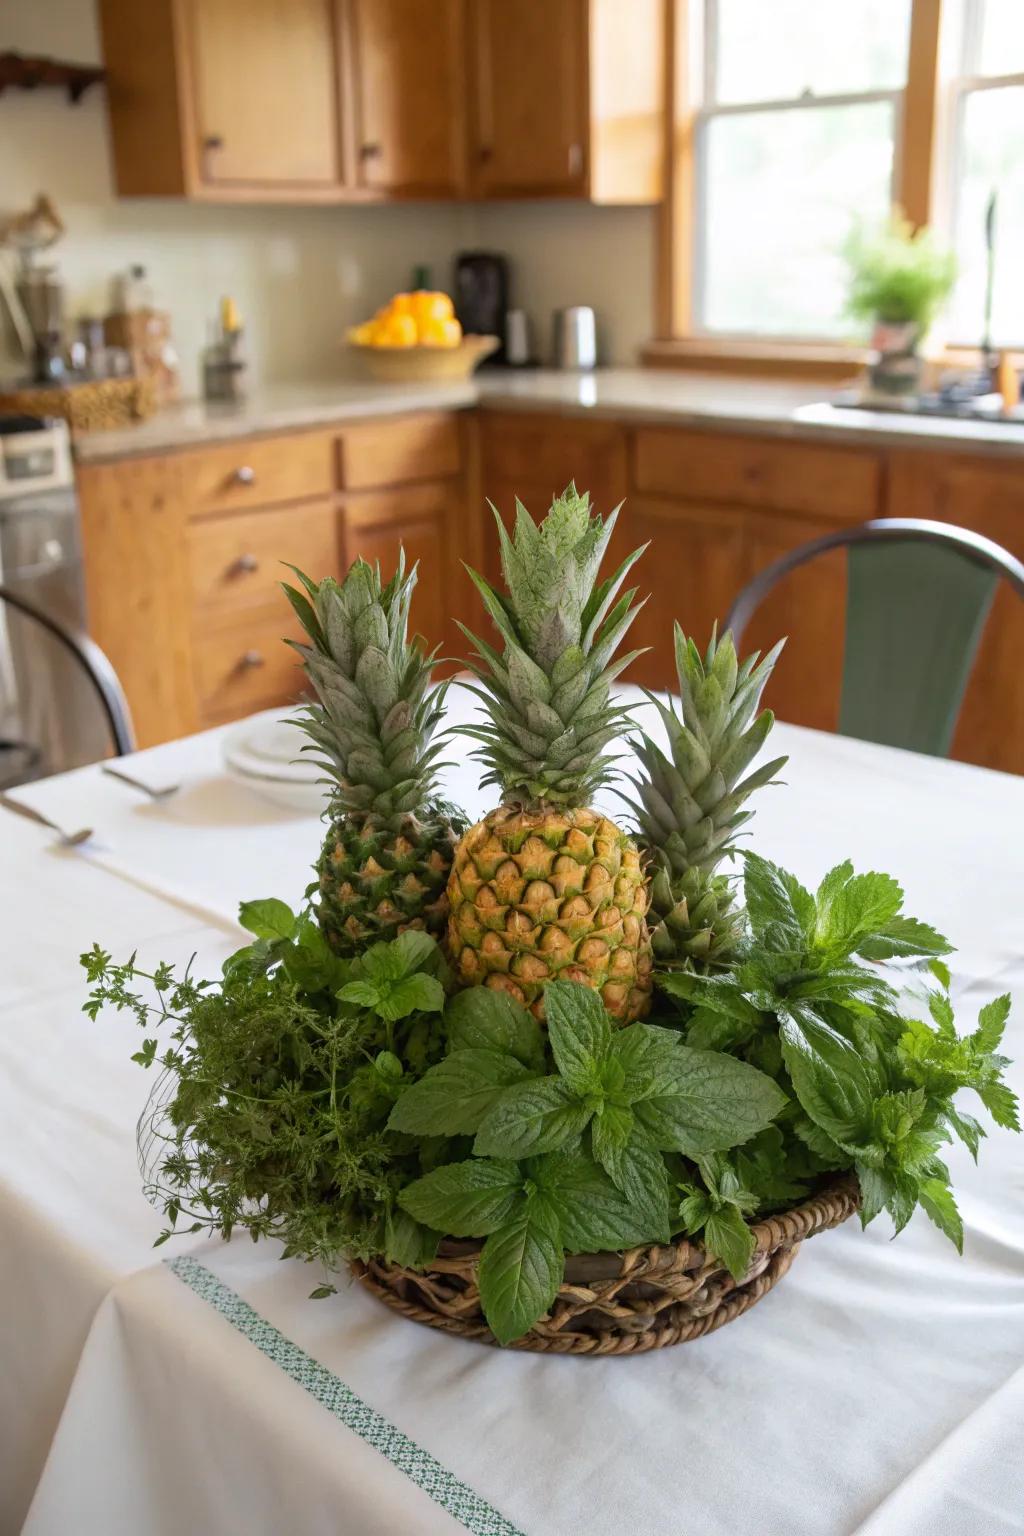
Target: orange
column 396, row 331
column 428, row 306
column 440, row 333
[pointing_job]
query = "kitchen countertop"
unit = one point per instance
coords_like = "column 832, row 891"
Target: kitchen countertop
column 710, row 401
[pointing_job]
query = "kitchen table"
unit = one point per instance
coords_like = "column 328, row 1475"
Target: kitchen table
column 878, row 1390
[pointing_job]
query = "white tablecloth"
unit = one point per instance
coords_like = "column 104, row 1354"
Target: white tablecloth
column 879, row 1390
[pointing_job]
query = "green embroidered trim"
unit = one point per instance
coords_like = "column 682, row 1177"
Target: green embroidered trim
column 435, row 1480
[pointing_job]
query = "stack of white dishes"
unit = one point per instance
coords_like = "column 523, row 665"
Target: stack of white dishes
column 265, row 754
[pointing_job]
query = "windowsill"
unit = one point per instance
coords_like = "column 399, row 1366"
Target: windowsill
column 794, row 360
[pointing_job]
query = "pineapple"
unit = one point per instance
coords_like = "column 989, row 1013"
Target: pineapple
column 387, row 854
column 691, row 800
column 545, row 887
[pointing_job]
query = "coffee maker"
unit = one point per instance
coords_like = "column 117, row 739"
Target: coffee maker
column 481, row 296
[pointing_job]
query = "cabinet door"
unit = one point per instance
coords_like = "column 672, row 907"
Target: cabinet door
column 408, row 72
column 688, row 574
column 422, row 520
column 809, row 608
column 265, row 89
column 531, row 96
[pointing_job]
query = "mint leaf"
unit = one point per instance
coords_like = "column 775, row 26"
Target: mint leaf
column 829, row 1076
column 705, row 1102
column 484, row 1017
column 366, row 994
column 580, row 1032
column 903, row 937
column 966, row 1127
column 268, row 919
column 470, row 1199
column 610, row 1131
column 1001, row 1103
column 530, row 1118
column 406, row 1242
column 453, row 1097
column 991, row 1024
column 593, row 1215
column 520, row 1270
column 419, row 993
column 414, row 950
column 937, row 1200
column 776, row 900
column 727, row 1237
column 862, row 905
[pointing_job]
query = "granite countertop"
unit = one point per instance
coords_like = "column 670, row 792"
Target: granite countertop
column 709, row 401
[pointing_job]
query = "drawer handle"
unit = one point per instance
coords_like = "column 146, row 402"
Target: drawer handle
column 369, row 151
column 244, row 475
column 250, row 660
column 245, row 565
column 575, row 160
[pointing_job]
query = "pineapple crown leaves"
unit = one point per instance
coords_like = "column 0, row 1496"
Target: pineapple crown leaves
column 691, row 798
column 374, row 716
column 547, row 694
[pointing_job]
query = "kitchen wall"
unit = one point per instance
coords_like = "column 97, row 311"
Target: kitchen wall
column 299, row 275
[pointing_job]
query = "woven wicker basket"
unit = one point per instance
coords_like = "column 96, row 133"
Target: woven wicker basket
column 611, row 1303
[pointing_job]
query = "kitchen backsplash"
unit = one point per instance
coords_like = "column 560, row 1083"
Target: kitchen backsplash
column 300, row 276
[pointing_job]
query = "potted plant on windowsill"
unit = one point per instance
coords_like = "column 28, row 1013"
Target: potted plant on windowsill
column 899, row 280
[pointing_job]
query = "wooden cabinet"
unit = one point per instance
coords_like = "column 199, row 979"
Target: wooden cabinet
column 373, row 100
column 265, row 91
column 567, row 98
column 225, row 99
column 184, row 555
column 408, row 70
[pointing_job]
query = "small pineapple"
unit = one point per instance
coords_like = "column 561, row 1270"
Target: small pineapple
column 691, row 800
column 545, row 887
column 387, row 854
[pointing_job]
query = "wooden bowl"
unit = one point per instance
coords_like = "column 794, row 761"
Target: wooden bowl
column 425, row 365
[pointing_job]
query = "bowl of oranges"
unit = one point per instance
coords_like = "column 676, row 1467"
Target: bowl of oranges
column 416, row 337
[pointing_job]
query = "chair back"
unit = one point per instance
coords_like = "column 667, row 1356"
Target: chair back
column 917, row 600
column 61, row 704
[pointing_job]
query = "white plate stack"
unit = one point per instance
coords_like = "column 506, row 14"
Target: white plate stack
column 265, row 754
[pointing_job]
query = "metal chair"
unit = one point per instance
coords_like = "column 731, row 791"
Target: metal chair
column 43, row 722
column 918, row 595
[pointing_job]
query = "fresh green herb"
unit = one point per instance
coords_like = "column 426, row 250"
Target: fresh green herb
column 271, row 1109
column 872, row 1087
column 573, row 1158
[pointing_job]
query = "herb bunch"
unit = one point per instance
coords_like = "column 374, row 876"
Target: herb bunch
column 872, row 1085
column 271, row 1110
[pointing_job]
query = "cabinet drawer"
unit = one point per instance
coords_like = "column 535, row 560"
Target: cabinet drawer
column 236, row 562
column 258, row 471
column 245, row 665
column 550, row 451
column 380, row 453
column 758, row 472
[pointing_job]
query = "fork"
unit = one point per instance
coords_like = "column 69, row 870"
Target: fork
column 65, row 839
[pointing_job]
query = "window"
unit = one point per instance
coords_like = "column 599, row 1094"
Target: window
column 986, row 160
column 795, row 137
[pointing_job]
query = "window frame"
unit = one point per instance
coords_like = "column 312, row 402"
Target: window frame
column 963, row 81
column 677, row 342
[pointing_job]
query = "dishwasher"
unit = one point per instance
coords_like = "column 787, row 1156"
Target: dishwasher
column 50, row 715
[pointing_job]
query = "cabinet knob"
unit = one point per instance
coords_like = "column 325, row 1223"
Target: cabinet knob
column 250, row 660
column 244, row 475
column 486, row 152
column 213, row 141
column 245, row 565
column 369, row 151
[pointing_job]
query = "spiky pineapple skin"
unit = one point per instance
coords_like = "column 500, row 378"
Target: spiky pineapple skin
column 693, row 919
column 540, row 894
column 379, row 876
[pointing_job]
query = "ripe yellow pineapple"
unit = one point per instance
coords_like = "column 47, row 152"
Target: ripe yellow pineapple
column 546, row 887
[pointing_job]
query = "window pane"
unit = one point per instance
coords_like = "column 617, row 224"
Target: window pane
column 774, row 50
column 783, row 189
column 991, row 159
column 1002, row 38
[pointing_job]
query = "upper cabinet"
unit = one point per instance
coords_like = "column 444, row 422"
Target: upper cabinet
column 568, row 98
column 407, row 68
column 376, row 100
column 251, row 124
column 529, row 71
